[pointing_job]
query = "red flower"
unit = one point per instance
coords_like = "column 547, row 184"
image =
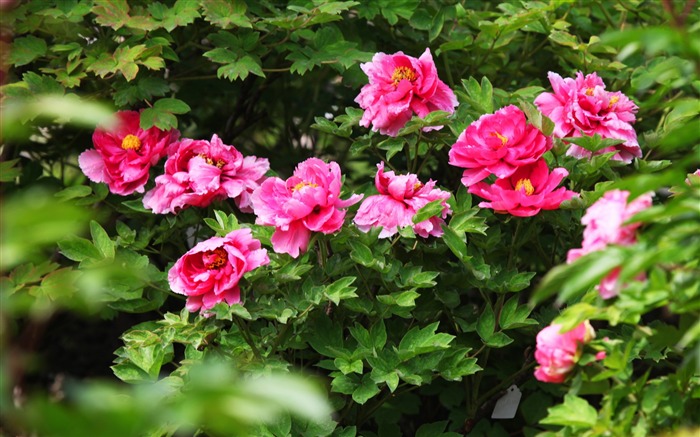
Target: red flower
column 123, row 156
column 527, row 191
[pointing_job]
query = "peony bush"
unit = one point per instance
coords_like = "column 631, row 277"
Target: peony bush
column 350, row 219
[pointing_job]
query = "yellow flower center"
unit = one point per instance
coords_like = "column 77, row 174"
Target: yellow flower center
column 613, row 100
column 131, row 142
column 589, row 91
column 503, row 139
column 217, row 258
column 417, row 186
column 219, row 163
column 303, row 184
column 401, row 73
column 525, row 183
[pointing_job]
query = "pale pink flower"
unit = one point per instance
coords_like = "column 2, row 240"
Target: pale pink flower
column 582, row 106
column 498, row 144
column 400, row 86
column 199, row 172
column 605, row 223
column 123, row 155
column 399, row 198
column 528, row 190
column 209, row 273
column 557, row 352
column 309, row 201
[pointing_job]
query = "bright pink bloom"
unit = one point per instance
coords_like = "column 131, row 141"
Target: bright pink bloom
column 210, row 272
column 199, row 172
column 582, row 105
column 399, row 86
column 557, row 352
column 498, row 144
column 399, row 198
column 605, row 224
column 309, row 201
column 123, row 156
column 527, row 191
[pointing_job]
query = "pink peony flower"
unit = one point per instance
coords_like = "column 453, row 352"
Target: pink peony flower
column 557, row 352
column 581, row 106
column 306, row 202
column 210, row 272
column 399, row 86
column 123, row 156
column 498, row 144
column 399, row 199
column 605, row 224
column 199, row 172
column 528, row 190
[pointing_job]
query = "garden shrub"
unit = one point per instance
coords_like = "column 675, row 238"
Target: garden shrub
column 355, row 218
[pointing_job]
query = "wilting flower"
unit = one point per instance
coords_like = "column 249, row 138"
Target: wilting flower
column 528, row 190
column 123, row 156
column 498, row 144
column 557, row 352
column 199, row 172
column 582, row 106
column 309, row 201
column 210, row 272
column 399, row 86
column 605, row 224
column 399, row 198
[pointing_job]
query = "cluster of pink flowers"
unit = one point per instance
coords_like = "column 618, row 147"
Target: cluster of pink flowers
column 400, row 86
column 199, row 172
column 582, row 106
column 606, row 223
column 557, row 353
column 399, row 199
column 504, row 144
column 309, row 201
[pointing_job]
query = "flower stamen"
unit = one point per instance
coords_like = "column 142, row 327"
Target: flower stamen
column 503, row 139
column 303, row 184
column 527, row 185
column 215, row 259
column 401, row 73
column 131, row 142
column 613, row 100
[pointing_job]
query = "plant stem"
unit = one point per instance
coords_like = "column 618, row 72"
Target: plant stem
column 245, row 333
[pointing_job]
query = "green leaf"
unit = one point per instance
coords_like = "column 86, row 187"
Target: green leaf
column 225, row 14
column 575, row 411
column 514, row 316
column 114, row 14
column 366, row 391
column 341, row 289
column 348, row 365
column 431, row 209
column 456, row 242
column 498, row 339
column 154, row 117
column 361, row 253
column 76, row 191
column 78, row 249
column 241, row 68
column 8, row 171
column 486, row 324
column 420, row 341
column 594, row 143
column 26, row 49
column 101, row 240
column 174, row 106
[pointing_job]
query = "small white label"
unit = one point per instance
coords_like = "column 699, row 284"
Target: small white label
column 508, row 404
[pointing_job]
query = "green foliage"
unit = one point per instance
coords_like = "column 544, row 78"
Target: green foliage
column 408, row 335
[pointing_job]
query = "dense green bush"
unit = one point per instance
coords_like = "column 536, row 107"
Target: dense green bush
column 405, row 335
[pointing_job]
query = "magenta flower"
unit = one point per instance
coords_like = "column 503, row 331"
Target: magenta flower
column 557, row 352
column 605, row 224
column 309, row 201
column 528, row 190
column 581, row 106
column 123, row 156
column 399, row 198
column 199, row 172
column 209, row 273
column 399, row 86
column 498, row 144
